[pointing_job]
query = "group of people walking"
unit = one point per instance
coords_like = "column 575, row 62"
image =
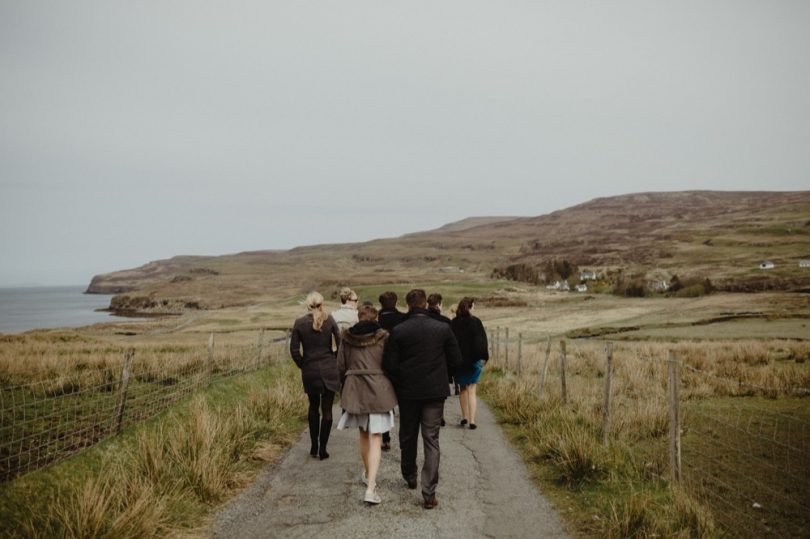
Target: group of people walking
column 381, row 359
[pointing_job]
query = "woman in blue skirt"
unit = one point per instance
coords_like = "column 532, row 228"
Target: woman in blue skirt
column 472, row 339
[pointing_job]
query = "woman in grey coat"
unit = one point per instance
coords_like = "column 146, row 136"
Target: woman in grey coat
column 367, row 397
column 315, row 332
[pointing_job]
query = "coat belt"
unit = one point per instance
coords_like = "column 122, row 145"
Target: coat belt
column 364, row 371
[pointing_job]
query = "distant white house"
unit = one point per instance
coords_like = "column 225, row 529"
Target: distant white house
column 582, row 288
column 658, row 286
column 766, row 264
column 587, row 276
column 804, row 263
column 559, row 285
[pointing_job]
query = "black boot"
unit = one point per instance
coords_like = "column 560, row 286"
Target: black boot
column 386, row 441
column 313, row 433
column 326, row 426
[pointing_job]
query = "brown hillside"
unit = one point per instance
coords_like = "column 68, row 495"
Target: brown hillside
column 719, row 235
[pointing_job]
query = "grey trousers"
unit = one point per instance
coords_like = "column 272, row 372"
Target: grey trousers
column 427, row 415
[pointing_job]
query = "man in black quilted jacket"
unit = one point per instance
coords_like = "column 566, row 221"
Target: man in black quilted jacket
column 419, row 354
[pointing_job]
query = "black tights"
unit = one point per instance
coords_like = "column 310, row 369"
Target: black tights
column 322, row 400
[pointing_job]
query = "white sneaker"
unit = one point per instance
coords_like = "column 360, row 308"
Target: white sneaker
column 372, row 497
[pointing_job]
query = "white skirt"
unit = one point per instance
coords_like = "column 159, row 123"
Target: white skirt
column 371, row 423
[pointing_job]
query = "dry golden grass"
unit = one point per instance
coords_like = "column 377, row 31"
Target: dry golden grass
column 162, row 480
column 628, row 477
column 89, row 358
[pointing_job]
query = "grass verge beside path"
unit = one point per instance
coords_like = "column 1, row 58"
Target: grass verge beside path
column 613, row 491
column 162, row 477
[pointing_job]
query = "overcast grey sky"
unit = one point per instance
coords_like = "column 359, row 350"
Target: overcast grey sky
column 133, row 131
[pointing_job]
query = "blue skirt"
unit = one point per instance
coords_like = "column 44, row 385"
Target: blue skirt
column 465, row 377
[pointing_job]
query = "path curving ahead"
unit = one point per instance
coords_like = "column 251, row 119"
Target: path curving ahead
column 484, row 491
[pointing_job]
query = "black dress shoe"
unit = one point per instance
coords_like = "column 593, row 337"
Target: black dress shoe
column 411, row 482
column 473, row 426
column 431, row 502
column 463, row 422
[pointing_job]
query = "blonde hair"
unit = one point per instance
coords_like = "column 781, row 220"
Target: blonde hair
column 314, row 303
column 346, row 294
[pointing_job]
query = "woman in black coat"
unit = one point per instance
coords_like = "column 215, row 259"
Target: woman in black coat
column 314, row 332
column 472, row 339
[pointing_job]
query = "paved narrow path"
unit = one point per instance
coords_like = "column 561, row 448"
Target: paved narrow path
column 484, row 491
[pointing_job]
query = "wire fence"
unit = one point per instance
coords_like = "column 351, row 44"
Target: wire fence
column 740, row 445
column 47, row 420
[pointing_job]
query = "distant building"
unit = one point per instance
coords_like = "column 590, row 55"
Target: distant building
column 767, row 264
column 451, row 269
column 559, row 285
column 582, row 288
column 804, row 263
column 658, row 286
column 587, row 276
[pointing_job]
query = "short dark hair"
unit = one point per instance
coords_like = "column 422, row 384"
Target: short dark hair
column 388, row 300
column 416, row 298
column 434, row 299
column 366, row 312
column 464, row 306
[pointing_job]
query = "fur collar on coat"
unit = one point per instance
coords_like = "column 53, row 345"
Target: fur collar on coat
column 365, row 339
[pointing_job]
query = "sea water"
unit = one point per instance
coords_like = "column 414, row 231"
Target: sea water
column 22, row 309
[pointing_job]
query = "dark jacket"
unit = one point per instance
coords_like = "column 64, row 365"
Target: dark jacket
column 366, row 389
column 389, row 318
column 472, row 339
column 437, row 315
column 317, row 363
column 418, row 356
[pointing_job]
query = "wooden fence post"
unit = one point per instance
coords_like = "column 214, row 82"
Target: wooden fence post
column 606, row 405
column 259, row 339
column 520, row 353
column 563, row 388
column 506, row 349
column 674, row 420
column 209, row 364
column 497, row 343
column 122, row 390
column 545, row 367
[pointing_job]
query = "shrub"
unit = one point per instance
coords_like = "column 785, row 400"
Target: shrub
column 692, row 291
column 632, row 517
column 575, row 452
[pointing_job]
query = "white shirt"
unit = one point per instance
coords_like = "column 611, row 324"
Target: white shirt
column 345, row 317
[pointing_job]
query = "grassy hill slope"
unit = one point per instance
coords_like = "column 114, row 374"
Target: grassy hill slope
column 702, row 234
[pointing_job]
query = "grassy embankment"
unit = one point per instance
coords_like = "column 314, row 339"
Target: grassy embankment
column 163, row 476
column 622, row 489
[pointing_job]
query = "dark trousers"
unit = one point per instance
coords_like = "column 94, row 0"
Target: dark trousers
column 427, row 415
